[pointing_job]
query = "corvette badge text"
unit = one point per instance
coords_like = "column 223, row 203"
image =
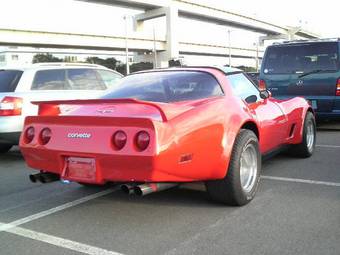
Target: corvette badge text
column 79, row 135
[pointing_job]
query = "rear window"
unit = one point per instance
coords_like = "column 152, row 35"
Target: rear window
column 301, row 58
column 49, row 80
column 9, row 80
column 84, row 79
column 109, row 78
column 167, row 86
column 68, row 79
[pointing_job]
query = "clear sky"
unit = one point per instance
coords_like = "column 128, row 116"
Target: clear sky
column 319, row 16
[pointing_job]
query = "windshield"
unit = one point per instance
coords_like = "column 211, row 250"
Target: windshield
column 167, row 86
column 9, row 80
column 301, row 58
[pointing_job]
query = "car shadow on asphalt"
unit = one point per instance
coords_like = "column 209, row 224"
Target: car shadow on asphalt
column 188, row 195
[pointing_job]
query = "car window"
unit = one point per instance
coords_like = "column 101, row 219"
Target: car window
column 167, row 86
column 9, row 80
column 49, row 80
column 109, row 78
column 301, row 58
column 84, row 79
column 242, row 86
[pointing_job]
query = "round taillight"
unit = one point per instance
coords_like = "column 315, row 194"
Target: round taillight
column 142, row 140
column 45, row 136
column 119, row 140
column 29, row 134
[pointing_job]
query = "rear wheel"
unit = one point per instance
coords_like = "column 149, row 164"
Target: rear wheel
column 241, row 182
column 306, row 148
column 5, row 148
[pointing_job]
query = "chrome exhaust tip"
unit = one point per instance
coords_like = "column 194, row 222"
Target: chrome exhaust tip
column 127, row 188
column 148, row 188
column 34, row 177
column 48, row 177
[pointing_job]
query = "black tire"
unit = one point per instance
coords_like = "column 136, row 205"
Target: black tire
column 229, row 190
column 5, row 148
column 303, row 150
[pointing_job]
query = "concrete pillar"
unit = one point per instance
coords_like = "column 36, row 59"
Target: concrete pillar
column 172, row 44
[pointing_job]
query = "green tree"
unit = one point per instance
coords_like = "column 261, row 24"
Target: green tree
column 45, row 57
column 109, row 62
column 135, row 67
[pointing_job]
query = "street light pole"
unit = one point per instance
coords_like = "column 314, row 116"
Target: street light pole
column 257, row 56
column 229, row 47
column 126, row 45
column 154, row 49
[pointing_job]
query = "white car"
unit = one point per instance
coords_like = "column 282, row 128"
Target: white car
column 44, row 82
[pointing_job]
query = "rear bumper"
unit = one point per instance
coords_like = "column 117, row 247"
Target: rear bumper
column 10, row 138
column 109, row 168
column 10, row 129
column 334, row 115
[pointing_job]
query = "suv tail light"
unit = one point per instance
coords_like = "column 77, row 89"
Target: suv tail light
column 142, row 140
column 45, row 136
column 10, row 106
column 337, row 92
column 262, row 85
column 29, row 134
column 119, row 140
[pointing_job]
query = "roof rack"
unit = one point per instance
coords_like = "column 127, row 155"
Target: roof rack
column 308, row 40
column 65, row 64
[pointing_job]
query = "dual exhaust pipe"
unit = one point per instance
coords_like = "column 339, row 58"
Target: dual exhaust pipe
column 139, row 190
column 44, row 177
column 147, row 188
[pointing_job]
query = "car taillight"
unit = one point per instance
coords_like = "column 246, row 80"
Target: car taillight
column 119, row 140
column 10, row 106
column 29, row 134
column 262, row 85
column 337, row 92
column 142, row 140
column 45, row 136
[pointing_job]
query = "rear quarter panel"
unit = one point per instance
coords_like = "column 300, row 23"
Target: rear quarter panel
column 197, row 144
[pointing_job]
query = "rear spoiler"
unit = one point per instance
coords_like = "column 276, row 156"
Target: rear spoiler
column 52, row 108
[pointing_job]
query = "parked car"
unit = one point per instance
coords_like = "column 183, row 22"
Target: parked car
column 305, row 68
column 157, row 129
column 254, row 76
column 45, row 81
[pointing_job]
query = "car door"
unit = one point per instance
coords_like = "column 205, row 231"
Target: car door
column 272, row 119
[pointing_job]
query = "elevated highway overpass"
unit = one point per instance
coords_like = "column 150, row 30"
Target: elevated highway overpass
column 167, row 48
column 43, row 39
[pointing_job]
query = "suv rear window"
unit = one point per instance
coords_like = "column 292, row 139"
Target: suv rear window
column 301, row 58
column 9, row 80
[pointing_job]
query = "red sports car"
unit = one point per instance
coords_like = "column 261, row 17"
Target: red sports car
column 159, row 128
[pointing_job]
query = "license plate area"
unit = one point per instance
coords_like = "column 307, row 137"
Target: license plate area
column 81, row 169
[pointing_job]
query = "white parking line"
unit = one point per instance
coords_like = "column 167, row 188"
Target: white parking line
column 59, row 242
column 327, row 146
column 336, row 184
column 13, row 228
column 5, row 227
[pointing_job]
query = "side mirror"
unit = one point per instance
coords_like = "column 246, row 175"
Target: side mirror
column 264, row 94
column 251, row 99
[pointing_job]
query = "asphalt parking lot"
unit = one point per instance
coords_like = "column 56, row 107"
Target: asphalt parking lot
column 296, row 211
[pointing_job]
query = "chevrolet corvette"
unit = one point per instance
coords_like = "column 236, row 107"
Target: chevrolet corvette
column 160, row 128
